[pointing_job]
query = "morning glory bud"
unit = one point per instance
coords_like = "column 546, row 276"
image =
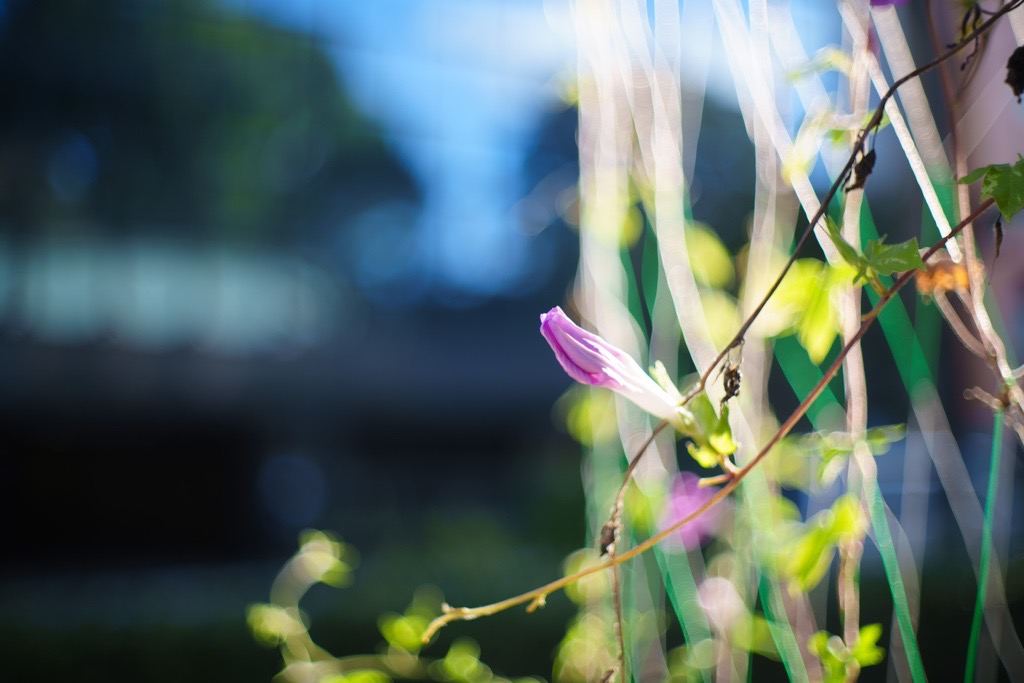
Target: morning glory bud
column 589, row 359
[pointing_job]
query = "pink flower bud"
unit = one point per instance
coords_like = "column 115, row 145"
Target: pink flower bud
column 589, row 359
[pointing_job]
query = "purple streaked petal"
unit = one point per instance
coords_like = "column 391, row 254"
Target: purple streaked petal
column 590, row 360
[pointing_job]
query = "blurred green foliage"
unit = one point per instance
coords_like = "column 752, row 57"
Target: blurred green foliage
column 323, row 558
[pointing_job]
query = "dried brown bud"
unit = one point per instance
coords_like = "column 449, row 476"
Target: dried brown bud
column 607, row 537
column 861, row 170
column 1015, row 72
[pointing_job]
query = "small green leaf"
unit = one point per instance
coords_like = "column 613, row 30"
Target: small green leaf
column 893, row 258
column 811, row 556
column 819, row 326
column 846, row 250
column 720, row 438
column 833, row 653
column 705, row 456
column 710, row 261
column 785, row 309
column 881, row 439
column 867, row 652
column 462, row 663
column 817, row 644
column 974, row 175
column 721, row 313
column 833, row 448
column 272, row 624
column 847, row 518
column 1003, row 183
column 404, row 632
column 754, row 635
column 710, row 432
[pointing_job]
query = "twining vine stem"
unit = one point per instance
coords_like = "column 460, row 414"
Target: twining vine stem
column 609, row 543
column 537, row 597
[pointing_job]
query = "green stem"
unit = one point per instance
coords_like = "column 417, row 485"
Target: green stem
column 899, row 592
column 781, row 630
column 682, row 592
column 986, row 545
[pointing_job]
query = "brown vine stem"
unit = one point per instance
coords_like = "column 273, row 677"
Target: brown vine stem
column 537, row 597
column 857, row 151
column 614, row 528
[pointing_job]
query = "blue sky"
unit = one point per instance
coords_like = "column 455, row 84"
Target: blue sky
column 459, row 87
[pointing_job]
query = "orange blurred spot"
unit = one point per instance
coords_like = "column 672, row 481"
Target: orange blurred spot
column 941, row 276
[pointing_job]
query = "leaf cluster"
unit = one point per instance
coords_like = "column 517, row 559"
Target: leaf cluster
column 840, row 659
column 809, row 556
column 835, row 448
column 1003, row 183
column 878, row 257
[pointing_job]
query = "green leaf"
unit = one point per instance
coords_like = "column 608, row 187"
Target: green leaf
column 710, row 261
column 881, row 439
column 835, row 447
column 833, row 655
column 721, row 313
column 462, row 663
column 785, row 309
column 812, row 555
column 893, row 258
column 720, row 437
column 867, row 652
column 846, row 250
column 1003, row 183
column 754, row 635
column 819, row 326
column 404, row 632
column 710, row 432
column 847, row 519
column 974, row 175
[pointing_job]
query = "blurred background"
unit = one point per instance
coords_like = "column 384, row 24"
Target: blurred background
column 271, row 265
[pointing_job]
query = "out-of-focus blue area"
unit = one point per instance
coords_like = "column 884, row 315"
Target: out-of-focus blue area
column 460, row 89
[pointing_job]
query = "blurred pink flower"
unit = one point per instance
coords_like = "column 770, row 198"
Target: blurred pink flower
column 589, row 359
column 882, row 3
column 685, row 496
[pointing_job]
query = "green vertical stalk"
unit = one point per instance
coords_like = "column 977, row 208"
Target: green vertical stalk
column 682, row 593
column 780, row 628
column 883, row 537
column 986, row 545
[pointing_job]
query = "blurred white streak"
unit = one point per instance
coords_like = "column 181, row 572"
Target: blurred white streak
column 1017, row 24
column 747, row 71
column 606, row 134
column 697, row 23
column 912, row 95
column 984, row 111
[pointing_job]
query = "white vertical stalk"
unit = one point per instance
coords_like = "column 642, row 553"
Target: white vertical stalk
column 939, row 166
